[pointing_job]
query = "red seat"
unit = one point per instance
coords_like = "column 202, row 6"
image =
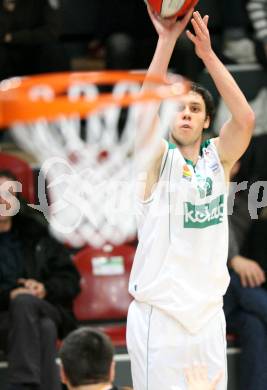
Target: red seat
column 104, row 297
column 23, row 172
column 231, row 337
column 116, row 332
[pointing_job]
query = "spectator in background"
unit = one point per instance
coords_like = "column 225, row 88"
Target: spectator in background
column 29, row 37
column 127, row 34
column 238, row 46
column 38, row 283
column 87, row 360
column 129, row 40
column 257, row 13
column 245, row 302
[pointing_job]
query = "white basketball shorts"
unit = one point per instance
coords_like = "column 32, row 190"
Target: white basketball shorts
column 160, row 348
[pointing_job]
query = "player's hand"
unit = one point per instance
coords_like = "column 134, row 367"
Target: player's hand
column 35, row 287
column 169, row 28
column 197, row 378
column 250, row 272
column 201, row 39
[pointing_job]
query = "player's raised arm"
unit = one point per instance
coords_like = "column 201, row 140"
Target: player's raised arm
column 169, row 30
column 236, row 132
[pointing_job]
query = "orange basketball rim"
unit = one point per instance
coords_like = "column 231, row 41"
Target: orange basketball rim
column 30, row 98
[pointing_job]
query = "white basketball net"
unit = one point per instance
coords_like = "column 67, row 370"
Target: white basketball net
column 90, row 170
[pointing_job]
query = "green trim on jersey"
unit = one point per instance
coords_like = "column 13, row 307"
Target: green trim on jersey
column 190, row 162
column 203, row 146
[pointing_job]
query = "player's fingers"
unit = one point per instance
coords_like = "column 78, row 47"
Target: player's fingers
column 206, row 20
column 217, row 379
column 191, row 36
column 187, row 16
column 197, row 372
column 203, row 372
column 202, row 25
column 149, row 10
column 187, row 373
column 153, row 15
column 197, row 29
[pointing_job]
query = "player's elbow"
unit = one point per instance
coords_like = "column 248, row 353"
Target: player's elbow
column 249, row 120
column 244, row 122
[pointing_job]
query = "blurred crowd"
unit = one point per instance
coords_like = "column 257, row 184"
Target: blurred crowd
column 48, row 35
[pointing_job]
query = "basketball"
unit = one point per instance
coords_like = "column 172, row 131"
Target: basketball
column 169, row 8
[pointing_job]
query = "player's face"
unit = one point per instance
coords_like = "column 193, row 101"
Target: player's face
column 190, row 120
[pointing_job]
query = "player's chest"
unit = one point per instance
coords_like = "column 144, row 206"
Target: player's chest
column 199, row 180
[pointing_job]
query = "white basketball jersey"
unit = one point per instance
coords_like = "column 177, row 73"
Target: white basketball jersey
column 180, row 262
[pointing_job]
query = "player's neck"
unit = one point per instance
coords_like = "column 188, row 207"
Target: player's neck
column 191, row 152
column 99, row 386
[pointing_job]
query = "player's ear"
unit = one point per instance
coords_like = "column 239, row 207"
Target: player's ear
column 63, row 375
column 112, row 371
column 206, row 123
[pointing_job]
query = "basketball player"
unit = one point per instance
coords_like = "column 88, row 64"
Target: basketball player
column 179, row 275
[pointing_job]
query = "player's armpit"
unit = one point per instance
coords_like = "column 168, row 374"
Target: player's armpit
column 150, row 175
